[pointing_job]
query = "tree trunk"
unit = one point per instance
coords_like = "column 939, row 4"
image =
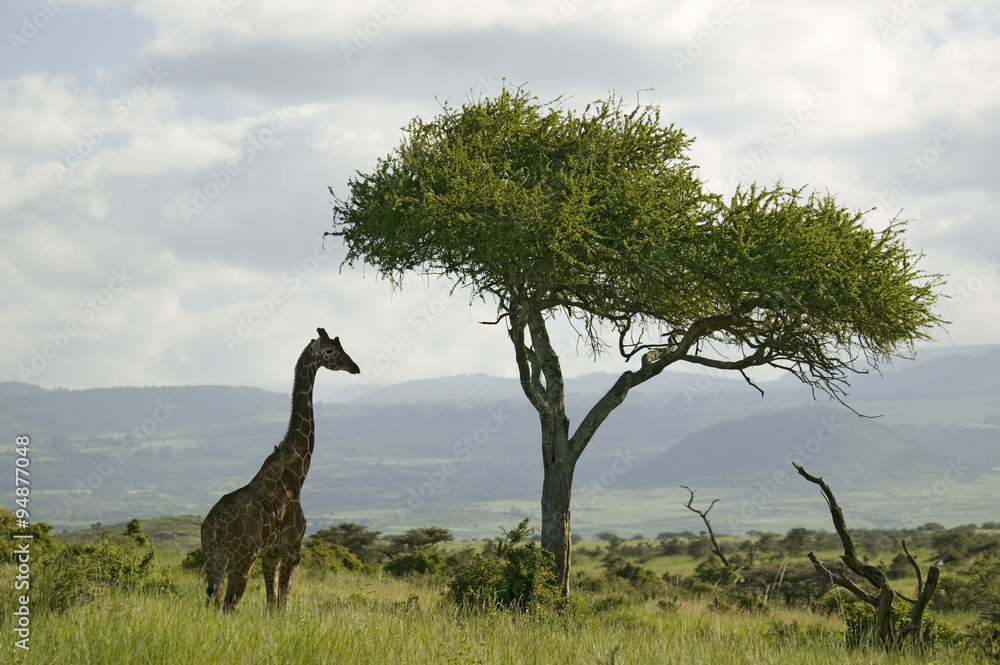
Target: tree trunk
column 556, row 495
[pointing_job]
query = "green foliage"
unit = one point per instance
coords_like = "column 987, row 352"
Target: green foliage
column 77, row 574
column 357, row 539
column 643, row 580
column 711, row 571
column 509, row 575
column 509, row 186
column 419, row 562
column 419, row 538
column 39, row 531
column 957, row 541
column 134, row 531
column 899, row 568
column 796, row 541
column 601, row 213
column 860, row 620
column 321, row 556
column 194, row 560
column 698, row 548
column 612, row 538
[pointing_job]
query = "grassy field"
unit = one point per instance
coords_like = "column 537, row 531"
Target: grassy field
column 374, row 618
column 360, row 619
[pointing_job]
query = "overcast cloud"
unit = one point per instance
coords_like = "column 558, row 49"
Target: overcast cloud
column 164, row 163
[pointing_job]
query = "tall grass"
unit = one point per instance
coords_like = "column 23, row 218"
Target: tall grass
column 369, row 619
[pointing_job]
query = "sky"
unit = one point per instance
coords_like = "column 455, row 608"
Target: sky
column 165, row 164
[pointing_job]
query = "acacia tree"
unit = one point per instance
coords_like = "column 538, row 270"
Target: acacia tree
column 598, row 216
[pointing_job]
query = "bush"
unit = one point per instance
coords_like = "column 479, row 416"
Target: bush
column 77, row 574
column 194, row 560
column 508, row 575
column 643, row 580
column 711, row 571
column 359, row 541
column 860, row 619
column 322, row 556
column 420, row 562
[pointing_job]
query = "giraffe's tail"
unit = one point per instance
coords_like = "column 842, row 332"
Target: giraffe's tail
column 214, row 557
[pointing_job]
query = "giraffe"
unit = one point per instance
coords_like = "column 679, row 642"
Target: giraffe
column 264, row 518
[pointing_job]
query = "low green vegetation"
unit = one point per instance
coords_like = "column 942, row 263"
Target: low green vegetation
column 421, row 597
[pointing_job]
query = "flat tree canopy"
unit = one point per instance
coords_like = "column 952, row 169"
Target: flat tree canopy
column 600, row 216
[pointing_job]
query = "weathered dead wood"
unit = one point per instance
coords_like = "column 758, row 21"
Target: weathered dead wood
column 924, row 592
column 716, row 550
column 882, row 600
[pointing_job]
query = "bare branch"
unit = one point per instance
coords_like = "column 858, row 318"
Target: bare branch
column 916, row 567
column 716, row 550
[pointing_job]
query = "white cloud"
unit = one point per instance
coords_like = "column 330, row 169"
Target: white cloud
column 153, row 144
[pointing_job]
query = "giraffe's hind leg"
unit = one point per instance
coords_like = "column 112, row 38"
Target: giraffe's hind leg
column 289, row 566
column 235, row 588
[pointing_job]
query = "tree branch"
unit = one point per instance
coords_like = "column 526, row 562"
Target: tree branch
column 716, row 550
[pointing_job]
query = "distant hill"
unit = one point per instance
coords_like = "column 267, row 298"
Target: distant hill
column 935, row 372
column 830, row 442
column 978, row 446
column 585, row 388
column 373, row 454
column 180, row 533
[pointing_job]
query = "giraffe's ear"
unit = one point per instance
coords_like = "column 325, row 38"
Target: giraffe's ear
column 322, row 335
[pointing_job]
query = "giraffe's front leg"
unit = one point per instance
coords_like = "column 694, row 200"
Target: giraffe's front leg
column 287, row 574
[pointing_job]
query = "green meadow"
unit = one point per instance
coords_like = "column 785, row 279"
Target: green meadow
column 146, row 606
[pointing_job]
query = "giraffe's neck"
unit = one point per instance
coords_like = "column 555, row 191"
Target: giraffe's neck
column 295, row 450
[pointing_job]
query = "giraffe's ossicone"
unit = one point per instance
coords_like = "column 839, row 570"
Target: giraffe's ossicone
column 264, row 517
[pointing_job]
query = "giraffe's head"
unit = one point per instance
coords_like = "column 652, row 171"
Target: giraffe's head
column 332, row 355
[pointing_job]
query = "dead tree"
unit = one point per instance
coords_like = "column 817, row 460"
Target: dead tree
column 716, row 550
column 884, row 632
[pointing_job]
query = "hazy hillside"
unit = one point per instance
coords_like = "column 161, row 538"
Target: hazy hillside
column 107, row 455
column 849, row 450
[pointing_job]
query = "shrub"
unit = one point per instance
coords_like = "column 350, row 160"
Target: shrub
column 322, row 555
column 359, row 541
column 509, row 575
column 711, row 571
column 194, row 560
column 420, row 562
column 860, row 620
column 899, row 568
column 419, row 538
column 134, row 530
column 77, row 574
column 643, row 580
